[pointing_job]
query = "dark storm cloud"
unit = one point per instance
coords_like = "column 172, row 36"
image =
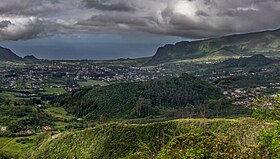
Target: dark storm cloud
column 27, row 7
column 110, row 5
column 202, row 13
column 190, row 18
column 25, row 19
column 5, row 24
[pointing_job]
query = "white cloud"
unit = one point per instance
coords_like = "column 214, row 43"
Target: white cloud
column 186, row 8
column 21, row 28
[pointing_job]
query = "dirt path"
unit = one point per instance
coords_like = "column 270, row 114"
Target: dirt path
column 1, row 148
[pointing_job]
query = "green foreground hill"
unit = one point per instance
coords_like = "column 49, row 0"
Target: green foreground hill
column 184, row 138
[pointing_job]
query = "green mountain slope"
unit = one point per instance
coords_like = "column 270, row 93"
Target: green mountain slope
column 185, row 138
column 254, row 61
column 130, row 100
column 8, row 55
column 266, row 43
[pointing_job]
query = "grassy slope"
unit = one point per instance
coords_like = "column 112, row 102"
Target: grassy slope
column 59, row 112
column 51, row 91
column 63, row 119
column 13, row 96
column 10, row 146
column 120, row 140
column 13, row 148
column 8, row 95
column 91, row 83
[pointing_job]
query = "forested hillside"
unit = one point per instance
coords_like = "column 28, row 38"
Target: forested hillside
column 142, row 99
column 254, row 61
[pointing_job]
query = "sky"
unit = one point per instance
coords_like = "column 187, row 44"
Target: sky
column 109, row 29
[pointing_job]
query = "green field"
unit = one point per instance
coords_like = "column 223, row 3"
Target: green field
column 59, row 112
column 90, row 83
column 10, row 96
column 13, row 96
column 17, row 146
column 4, row 141
column 212, row 58
column 50, row 91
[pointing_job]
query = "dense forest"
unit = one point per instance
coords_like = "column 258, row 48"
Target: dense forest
column 141, row 99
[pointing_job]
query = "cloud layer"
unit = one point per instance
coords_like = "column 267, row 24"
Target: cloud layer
column 28, row 19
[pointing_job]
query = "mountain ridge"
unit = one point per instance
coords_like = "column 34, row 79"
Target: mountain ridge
column 8, row 55
column 264, row 42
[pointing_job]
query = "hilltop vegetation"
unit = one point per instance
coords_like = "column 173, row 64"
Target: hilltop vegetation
column 266, row 43
column 187, row 138
column 140, row 99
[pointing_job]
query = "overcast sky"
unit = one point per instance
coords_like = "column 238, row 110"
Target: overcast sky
column 105, row 29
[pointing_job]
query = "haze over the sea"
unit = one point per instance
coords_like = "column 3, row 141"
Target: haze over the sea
column 95, row 47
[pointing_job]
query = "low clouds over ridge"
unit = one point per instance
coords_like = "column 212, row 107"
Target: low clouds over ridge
column 28, row 19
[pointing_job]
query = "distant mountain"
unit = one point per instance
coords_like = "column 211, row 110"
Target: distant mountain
column 140, row 99
column 254, row 61
column 266, row 43
column 8, row 55
column 30, row 58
